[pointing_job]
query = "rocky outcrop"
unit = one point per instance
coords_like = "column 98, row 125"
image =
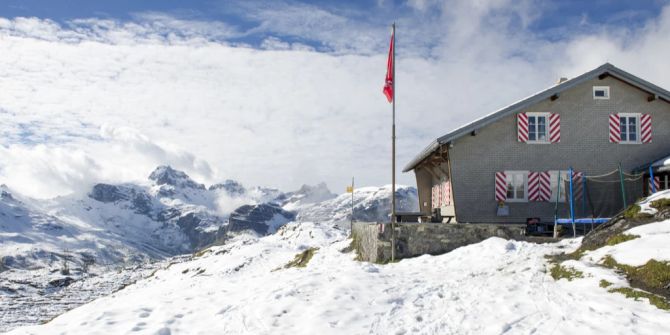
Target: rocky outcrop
column 190, row 225
column 109, row 193
column 261, row 219
column 231, row 187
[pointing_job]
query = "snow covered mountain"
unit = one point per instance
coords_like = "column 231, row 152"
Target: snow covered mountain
column 168, row 215
column 371, row 204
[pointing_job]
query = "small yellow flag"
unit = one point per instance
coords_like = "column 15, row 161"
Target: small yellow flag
column 350, row 189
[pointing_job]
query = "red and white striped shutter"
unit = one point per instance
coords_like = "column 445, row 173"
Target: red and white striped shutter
column 522, row 127
column 615, row 130
column 645, row 128
column 544, row 186
column 657, row 184
column 501, row 186
column 446, row 193
column 534, row 186
column 435, row 196
column 554, row 128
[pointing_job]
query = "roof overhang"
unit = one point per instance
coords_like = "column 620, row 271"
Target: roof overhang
column 601, row 72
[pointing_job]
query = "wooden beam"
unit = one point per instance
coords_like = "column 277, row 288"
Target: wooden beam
column 554, row 97
column 473, row 133
column 603, row 76
column 652, row 97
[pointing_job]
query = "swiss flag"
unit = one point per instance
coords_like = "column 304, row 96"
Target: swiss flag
column 388, row 84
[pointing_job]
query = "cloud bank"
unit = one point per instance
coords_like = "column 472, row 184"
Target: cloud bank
column 97, row 99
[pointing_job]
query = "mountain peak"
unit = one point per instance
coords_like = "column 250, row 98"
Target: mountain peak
column 166, row 175
column 232, row 187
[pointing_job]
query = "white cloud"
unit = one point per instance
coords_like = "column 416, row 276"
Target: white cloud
column 168, row 90
column 122, row 155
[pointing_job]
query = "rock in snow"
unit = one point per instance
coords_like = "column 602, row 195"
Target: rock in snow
column 262, row 219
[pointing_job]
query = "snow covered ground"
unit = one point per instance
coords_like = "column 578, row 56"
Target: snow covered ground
column 493, row 287
column 28, row 297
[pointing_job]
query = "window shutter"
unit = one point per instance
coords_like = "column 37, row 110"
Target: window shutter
column 501, row 186
column 539, row 186
column 522, row 127
column 656, row 186
column 544, row 186
column 435, row 196
column 554, row 128
column 645, row 128
column 615, row 131
column 534, row 186
column 446, row 193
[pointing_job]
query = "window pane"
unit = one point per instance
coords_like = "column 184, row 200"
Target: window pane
column 518, row 185
column 510, row 191
column 623, row 126
column 532, row 133
column 632, row 128
column 541, row 128
column 600, row 93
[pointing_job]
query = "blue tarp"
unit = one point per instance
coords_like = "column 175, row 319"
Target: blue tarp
column 582, row 221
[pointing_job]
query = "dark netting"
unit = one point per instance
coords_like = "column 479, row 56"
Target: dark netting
column 601, row 196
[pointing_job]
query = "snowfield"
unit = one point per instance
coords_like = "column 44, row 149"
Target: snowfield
column 493, row 287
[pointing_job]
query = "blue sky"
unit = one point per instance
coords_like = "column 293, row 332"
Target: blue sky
column 556, row 19
column 281, row 93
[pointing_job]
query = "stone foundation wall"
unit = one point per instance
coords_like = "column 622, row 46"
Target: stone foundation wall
column 415, row 239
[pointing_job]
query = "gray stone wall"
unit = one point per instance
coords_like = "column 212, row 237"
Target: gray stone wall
column 424, row 238
column 584, row 146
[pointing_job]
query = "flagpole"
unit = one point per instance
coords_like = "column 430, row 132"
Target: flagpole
column 351, row 228
column 393, row 216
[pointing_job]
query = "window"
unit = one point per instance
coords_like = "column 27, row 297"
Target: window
column 601, row 92
column 537, row 127
column 629, row 128
column 517, row 186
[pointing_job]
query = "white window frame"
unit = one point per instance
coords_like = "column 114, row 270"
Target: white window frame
column 546, row 128
column 637, row 117
column 606, row 89
column 510, row 179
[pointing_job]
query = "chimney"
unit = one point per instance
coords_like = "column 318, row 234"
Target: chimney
column 561, row 80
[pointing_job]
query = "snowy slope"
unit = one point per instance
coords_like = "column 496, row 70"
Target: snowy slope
column 492, row 287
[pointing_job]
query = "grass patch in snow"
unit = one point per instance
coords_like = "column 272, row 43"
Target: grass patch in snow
column 202, row 252
column 302, row 259
column 633, row 212
column 653, row 276
column 604, row 283
column 660, row 203
column 655, row 300
column 559, row 271
column 620, row 238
